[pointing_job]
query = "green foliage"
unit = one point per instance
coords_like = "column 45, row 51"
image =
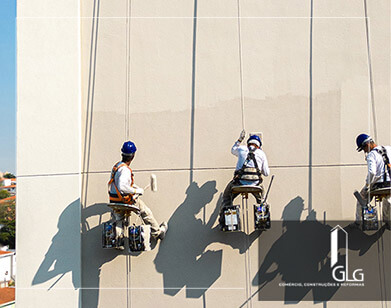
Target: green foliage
column 4, row 194
column 9, row 176
column 7, row 220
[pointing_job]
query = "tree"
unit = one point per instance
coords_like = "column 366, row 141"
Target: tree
column 7, row 222
column 9, row 176
column 4, row 194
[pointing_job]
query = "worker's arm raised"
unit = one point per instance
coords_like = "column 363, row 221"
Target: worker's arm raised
column 235, row 147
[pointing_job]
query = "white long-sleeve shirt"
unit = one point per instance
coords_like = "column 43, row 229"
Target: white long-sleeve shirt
column 123, row 180
column 242, row 151
column 375, row 165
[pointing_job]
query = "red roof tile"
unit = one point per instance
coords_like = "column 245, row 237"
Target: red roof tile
column 5, row 252
column 9, row 186
column 9, row 199
column 7, row 295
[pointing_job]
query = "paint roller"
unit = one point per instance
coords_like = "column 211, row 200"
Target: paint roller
column 152, row 184
column 259, row 134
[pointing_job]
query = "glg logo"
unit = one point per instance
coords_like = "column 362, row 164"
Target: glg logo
column 340, row 273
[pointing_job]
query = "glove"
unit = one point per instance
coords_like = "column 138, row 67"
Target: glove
column 242, row 135
column 139, row 191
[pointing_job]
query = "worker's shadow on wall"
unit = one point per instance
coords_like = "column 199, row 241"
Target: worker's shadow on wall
column 301, row 254
column 92, row 249
column 182, row 258
column 60, row 257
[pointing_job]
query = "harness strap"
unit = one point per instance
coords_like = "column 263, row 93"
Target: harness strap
column 386, row 160
column 128, row 199
column 245, row 169
column 251, row 157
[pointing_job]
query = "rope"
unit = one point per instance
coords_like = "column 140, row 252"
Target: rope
column 372, row 91
column 244, row 201
column 248, row 256
column 372, row 97
column 240, row 66
column 246, row 269
column 380, row 255
column 127, row 128
column 127, row 109
column 247, row 261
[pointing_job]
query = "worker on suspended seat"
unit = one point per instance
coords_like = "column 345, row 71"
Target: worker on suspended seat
column 379, row 171
column 123, row 190
column 252, row 164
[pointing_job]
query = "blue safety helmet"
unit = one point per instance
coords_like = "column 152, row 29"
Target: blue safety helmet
column 128, row 148
column 254, row 139
column 362, row 140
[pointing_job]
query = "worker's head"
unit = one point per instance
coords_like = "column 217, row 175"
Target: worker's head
column 365, row 143
column 254, row 142
column 128, row 151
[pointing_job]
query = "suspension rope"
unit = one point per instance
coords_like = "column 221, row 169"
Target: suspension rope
column 247, row 252
column 127, row 128
column 127, row 99
column 244, row 201
column 380, row 243
column 240, row 66
column 372, row 91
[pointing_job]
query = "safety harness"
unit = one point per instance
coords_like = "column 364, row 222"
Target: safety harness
column 128, row 199
column 387, row 166
column 249, row 173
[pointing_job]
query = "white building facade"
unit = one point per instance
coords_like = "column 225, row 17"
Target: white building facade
column 181, row 79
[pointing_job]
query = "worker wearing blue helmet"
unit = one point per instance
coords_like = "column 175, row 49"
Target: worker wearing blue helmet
column 123, row 190
column 378, row 176
column 251, row 165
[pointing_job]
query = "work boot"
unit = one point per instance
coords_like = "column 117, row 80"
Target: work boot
column 163, row 230
column 121, row 243
column 354, row 225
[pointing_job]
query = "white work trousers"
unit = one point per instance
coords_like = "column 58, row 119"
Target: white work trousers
column 146, row 215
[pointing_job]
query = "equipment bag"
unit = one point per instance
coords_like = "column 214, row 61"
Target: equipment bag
column 110, row 238
column 139, row 238
column 261, row 216
column 231, row 221
column 369, row 218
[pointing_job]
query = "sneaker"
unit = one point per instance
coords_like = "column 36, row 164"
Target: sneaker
column 163, row 230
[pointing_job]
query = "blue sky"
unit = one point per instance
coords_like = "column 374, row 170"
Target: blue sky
column 7, row 86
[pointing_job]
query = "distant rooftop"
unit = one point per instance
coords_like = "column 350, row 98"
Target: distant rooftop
column 7, row 295
column 5, row 252
column 9, row 199
column 9, row 186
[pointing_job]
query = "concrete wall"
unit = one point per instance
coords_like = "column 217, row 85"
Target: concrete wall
column 153, row 73
column 171, row 83
column 48, row 154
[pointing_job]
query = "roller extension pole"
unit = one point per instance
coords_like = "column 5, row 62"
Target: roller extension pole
column 268, row 189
